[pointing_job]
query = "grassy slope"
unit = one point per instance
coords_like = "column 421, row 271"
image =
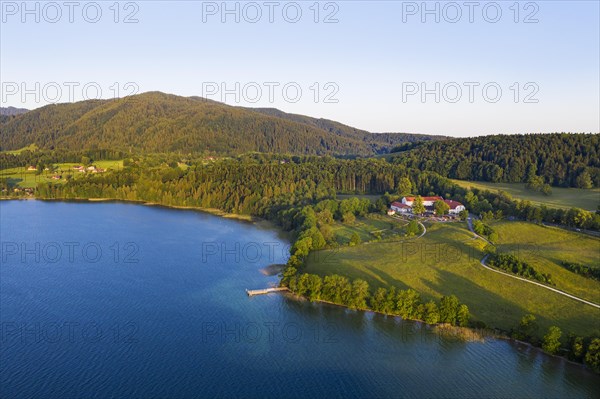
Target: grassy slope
column 28, row 179
column 545, row 248
column 446, row 261
column 561, row 197
column 365, row 227
column 31, row 147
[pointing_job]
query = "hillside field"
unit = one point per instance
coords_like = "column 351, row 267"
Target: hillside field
column 447, row 261
column 565, row 198
column 23, row 178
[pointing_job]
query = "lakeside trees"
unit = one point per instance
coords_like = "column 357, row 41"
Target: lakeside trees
column 551, row 341
column 356, row 295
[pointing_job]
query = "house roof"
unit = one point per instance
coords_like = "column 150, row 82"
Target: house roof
column 434, row 198
column 399, row 205
column 452, row 204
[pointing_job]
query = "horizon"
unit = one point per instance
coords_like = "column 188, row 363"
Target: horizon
column 408, row 69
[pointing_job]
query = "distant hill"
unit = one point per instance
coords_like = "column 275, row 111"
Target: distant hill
column 386, row 139
column 12, row 111
column 159, row 122
column 560, row 159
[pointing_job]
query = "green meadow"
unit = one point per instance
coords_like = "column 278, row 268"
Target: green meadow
column 447, row 261
column 565, row 198
column 546, row 247
column 371, row 228
column 31, row 147
column 23, row 178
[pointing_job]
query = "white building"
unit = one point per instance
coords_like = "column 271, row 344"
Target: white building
column 427, row 201
column 405, row 206
column 455, row 207
column 400, row 208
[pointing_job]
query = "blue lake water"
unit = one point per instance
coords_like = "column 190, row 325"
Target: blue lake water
column 122, row 300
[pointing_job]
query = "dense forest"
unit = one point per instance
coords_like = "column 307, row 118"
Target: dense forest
column 387, row 139
column 11, row 111
column 564, row 160
column 261, row 185
column 158, row 122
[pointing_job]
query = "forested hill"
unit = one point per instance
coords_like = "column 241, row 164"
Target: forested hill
column 10, row 111
column 386, row 139
column 559, row 159
column 158, row 122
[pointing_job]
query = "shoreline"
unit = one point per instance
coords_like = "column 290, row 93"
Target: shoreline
column 442, row 327
column 212, row 211
column 466, row 334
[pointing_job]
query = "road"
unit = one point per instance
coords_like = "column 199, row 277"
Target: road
column 538, row 284
column 418, row 221
column 469, row 223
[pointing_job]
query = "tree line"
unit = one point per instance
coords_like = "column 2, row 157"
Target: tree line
column 582, row 270
column 559, row 159
column 578, row 349
column 356, row 295
column 513, row 264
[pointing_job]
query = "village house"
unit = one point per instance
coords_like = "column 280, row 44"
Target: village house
column 455, row 207
column 79, row 168
column 399, row 207
column 31, row 168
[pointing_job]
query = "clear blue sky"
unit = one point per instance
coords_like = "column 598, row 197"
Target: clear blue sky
column 372, row 57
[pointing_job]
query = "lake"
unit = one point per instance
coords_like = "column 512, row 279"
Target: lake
column 124, row 300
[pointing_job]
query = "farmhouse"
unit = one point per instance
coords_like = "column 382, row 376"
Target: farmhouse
column 400, row 207
column 455, row 207
column 405, row 207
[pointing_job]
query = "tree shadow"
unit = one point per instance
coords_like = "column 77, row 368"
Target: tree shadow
column 473, row 295
column 391, row 281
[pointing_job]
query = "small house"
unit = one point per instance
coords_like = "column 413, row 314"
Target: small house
column 455, row 207
column 400, row 207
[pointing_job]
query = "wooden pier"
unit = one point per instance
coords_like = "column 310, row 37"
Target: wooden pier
column 265, row 291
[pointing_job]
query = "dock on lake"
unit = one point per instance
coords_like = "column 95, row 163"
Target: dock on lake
column 265, row 291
